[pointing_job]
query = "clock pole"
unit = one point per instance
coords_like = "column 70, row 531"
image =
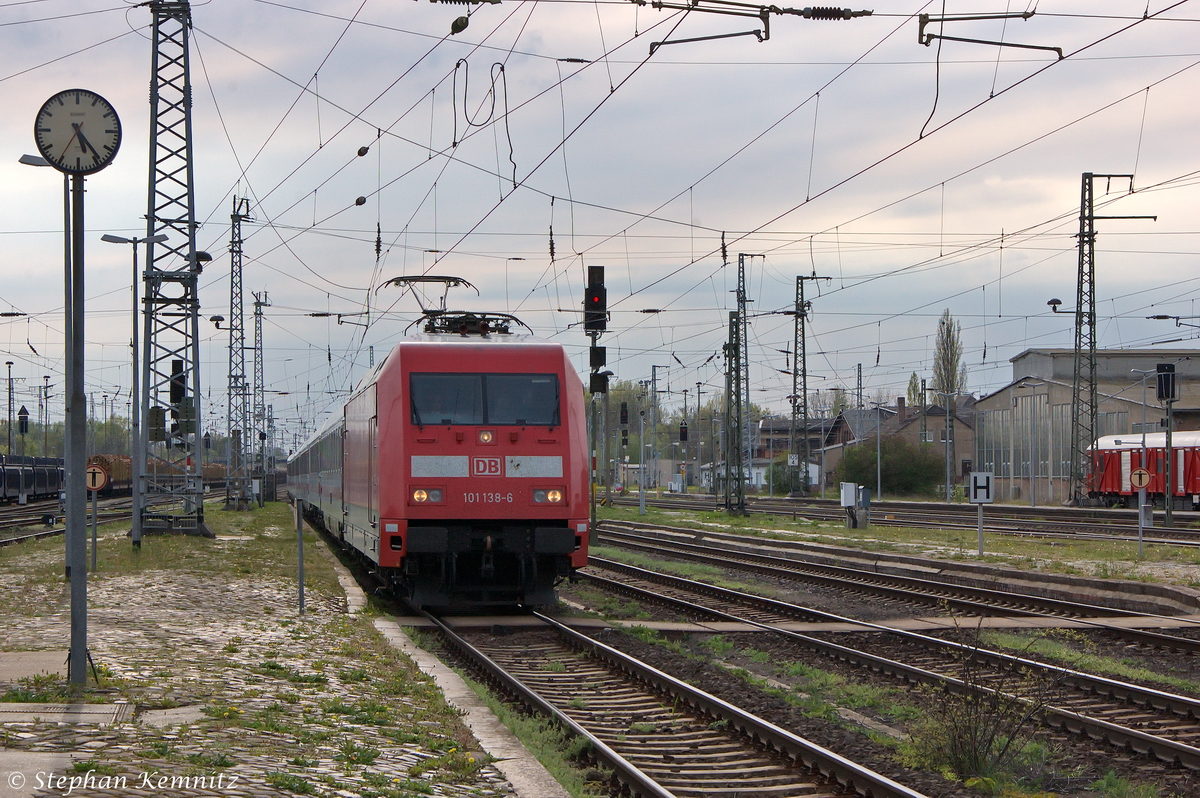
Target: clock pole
column 67, row 129
column 76, row 455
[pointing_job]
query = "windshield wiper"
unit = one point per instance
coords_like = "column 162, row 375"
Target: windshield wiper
column 412, row 401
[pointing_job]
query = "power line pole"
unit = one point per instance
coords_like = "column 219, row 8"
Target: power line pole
column 1083, row 384
column 237, row 487
column 735, row 487
column 743, row 356
column 259, row 420
column 800, row 375
column 168, row 459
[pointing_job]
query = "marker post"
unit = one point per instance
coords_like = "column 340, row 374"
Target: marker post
column 1139, row 478
column 97, row 478
column 980, row 493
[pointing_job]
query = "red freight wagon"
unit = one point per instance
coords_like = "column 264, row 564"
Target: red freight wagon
column 1116, row 457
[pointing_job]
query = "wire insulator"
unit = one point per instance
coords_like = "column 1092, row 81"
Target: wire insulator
column 826, row 12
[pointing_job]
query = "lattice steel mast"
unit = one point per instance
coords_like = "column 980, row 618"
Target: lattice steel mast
column 1083, row 398
column 800, row 376
column 237, row 491
column 743, row 385
column 168, row 457
column 259, row 419
column 735, row 483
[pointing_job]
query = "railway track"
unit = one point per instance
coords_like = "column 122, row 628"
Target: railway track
column 1130, row 716
column 1040, row 522
column 109, row 510
column 966, row 600
column 659, row 736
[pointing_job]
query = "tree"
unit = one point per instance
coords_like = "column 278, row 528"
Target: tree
column 949, row 371
column 840, row 402
column 914, row 390
column 906, row 469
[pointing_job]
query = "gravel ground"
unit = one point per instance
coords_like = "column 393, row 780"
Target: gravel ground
column 1074, row 764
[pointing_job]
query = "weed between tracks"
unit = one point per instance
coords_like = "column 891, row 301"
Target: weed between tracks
column 559, row 751
column 987, row 743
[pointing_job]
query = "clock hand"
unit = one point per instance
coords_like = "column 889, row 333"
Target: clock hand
column 67, row 146
column 84, row 144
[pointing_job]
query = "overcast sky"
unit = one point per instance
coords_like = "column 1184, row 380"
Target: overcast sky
column 917, row 178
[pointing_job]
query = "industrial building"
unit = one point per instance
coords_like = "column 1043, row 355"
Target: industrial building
column 1023, row 430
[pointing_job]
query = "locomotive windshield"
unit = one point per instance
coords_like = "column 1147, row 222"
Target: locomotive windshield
column 472, row 399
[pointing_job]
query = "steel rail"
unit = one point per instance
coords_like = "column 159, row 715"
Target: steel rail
column 1161, row 748
column 950, row 517
column 814, row 757
column 624, row 770
column 1180, row 705
column 849, row 774
column 904, row 587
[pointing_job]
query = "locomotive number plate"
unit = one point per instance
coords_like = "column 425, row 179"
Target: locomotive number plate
column 487, row 498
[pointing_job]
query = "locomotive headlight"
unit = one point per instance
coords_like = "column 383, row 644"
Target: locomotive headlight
column 554, row 496
column 486, row 436
column 547, row 496
column 427, row 495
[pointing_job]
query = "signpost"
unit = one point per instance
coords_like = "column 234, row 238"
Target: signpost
column 1139, row 478
column 96, row 478
column 979, row 494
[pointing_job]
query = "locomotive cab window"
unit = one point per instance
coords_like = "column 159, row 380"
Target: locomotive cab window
column 472, row 399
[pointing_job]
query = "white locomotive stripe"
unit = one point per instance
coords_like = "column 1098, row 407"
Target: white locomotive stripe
column 440, row 466
column 529, row 466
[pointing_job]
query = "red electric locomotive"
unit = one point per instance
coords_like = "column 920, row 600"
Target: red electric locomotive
column 458, row 466
column 1116, row 457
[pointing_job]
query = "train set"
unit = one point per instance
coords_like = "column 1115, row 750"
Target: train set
column 458, row 466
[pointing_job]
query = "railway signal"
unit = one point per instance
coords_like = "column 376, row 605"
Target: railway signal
column 595, row 302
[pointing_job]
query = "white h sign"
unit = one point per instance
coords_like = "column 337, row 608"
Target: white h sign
column 979, row 489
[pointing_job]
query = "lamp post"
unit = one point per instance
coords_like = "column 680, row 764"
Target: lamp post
column 135, row 420
column 46, row 419
column 949, row 396
column 878, row 450
column 9, row 363
column 642, row 464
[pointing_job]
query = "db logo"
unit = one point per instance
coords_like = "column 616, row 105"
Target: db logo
column 485, row 466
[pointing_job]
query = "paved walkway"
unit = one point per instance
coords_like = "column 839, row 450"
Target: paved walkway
column 237, row 696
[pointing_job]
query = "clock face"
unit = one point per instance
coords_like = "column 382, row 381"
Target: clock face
column 77, row 131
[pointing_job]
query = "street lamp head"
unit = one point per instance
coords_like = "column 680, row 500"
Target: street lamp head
column 1054, row 303
column 216, row 320
column 33, row 160
column 198, row 260
column 112, row 239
